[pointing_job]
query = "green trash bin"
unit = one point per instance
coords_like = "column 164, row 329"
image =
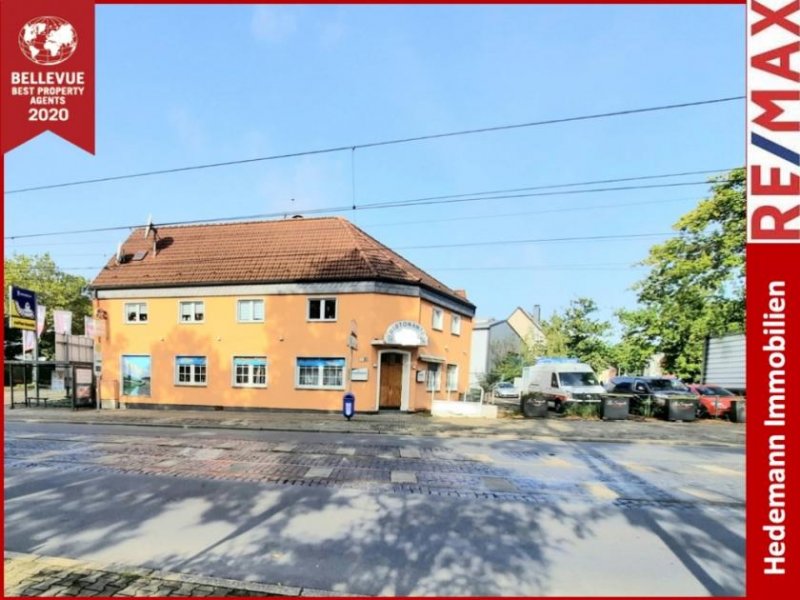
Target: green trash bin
column 534, row 406
column 614, row 408
column 737, row 411
column 681, row 409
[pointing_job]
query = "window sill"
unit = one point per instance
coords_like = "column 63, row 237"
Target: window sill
column 184, row 384
column 321, row 320
column 251, row 386
column 320, row 388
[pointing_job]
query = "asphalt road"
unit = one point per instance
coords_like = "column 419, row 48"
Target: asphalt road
column 382, row 515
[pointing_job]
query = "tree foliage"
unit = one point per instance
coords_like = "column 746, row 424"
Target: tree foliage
column 54, row 288
column 695, row 287
column 577, row 333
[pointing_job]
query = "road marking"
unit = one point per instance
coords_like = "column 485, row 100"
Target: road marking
column 319, row 472
column 285, row 447
column 601, row 491
column 403, row 477
column 484, row 458
column 498, row 484
column 410, row 453
column 721, row 470
column 704, row 494
column 347, row 451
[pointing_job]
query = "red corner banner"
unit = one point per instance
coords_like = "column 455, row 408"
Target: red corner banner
column 47, row 70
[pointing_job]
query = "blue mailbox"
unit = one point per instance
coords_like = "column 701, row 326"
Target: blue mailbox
column 349, row 405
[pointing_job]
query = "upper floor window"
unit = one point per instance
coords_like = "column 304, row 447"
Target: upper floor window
column 438, row 319
column 192, row 312
column 322, row 309
column 136, row 312
column 455, row 324
column 250, row 371
column 250, row 311
column 190, row 370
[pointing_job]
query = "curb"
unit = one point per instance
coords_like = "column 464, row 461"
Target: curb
column 258, row 588
column 451, row 433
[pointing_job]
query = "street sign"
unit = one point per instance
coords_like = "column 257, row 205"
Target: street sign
column 352, row 342
column 22, row 308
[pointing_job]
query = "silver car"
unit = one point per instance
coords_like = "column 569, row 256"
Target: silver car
column 505, row 389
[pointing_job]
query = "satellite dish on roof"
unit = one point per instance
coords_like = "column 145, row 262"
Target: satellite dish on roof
column 149, row 226
column 119, row 253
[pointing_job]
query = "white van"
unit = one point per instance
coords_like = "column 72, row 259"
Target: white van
column 562, row 381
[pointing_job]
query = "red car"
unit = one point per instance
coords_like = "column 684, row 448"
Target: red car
column 713, row 400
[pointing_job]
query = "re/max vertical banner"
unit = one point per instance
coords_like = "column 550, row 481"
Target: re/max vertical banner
column 773, row 296
column 48, row 71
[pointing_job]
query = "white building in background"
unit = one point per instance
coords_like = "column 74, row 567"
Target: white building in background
column 492, row 339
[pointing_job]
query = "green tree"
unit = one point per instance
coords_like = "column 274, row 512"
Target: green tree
column 54, row 288
column 576, row 333
column 635, row 348
column 695, row 287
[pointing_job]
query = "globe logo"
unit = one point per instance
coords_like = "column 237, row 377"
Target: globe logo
column 48, row 40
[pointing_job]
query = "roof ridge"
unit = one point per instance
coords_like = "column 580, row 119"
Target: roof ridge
column 350, row 230
column 213, row 223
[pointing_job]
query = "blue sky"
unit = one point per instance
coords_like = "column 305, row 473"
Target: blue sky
column 182, row 85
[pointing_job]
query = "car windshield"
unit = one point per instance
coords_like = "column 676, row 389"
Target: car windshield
column 663, row 385
column 577, row 379
column 504, row 384
column 709, row 390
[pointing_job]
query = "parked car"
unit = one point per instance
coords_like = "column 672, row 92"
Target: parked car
column 505, row 389
column 713, row 400
column 649, row 395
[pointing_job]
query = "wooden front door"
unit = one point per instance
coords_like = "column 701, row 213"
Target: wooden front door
column 391, row 380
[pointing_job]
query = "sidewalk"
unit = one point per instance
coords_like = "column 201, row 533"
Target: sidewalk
column 34, row 575
column 701, row 432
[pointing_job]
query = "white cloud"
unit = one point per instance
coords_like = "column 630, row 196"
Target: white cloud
column 273, row 23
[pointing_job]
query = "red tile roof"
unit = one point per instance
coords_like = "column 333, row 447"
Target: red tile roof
column 291, row 250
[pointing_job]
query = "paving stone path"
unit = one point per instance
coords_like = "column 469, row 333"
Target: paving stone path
column 33, row 575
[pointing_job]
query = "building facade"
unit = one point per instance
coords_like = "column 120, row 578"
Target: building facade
column 277, row 314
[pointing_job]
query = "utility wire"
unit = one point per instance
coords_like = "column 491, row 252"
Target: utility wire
column 353, row 147
column 477, row 196
column 589, row 238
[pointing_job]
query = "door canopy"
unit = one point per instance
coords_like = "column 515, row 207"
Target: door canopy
column 405, row 333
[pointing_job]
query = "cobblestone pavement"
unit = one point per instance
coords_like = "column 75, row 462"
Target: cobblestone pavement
column 528, row 472
column 32, row 575
column 701, row 432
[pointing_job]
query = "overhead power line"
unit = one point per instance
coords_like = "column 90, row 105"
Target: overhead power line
column 428, row 200
column 353, row 147
column 583, row 238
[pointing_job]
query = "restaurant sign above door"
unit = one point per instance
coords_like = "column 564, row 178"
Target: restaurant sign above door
column 405, row 333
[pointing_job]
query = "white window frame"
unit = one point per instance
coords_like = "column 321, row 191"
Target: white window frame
column 320, row 385
column 194, row 312
column 433, row 382
column 138, row 320
column 437, row 319
column 322, row 301
column 455, row 324
column 250, row 373
column 253, row 320
column 193, row 371
column 454, row 370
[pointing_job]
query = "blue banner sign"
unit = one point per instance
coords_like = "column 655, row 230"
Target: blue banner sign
column 22, row 308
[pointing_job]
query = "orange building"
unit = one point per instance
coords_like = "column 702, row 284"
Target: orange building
column 263, row 315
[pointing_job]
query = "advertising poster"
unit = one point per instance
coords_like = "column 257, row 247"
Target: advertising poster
column 582, row 219
column 135, row 375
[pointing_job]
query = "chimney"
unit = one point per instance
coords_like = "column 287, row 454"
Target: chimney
column 461, row 293
column 536, row 313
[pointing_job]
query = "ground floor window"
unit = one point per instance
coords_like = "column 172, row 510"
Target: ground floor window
column 434, row 377
column 135, row 375
column 452, row 378
column 190, row 370
column 320, row 373
column 250, row 371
